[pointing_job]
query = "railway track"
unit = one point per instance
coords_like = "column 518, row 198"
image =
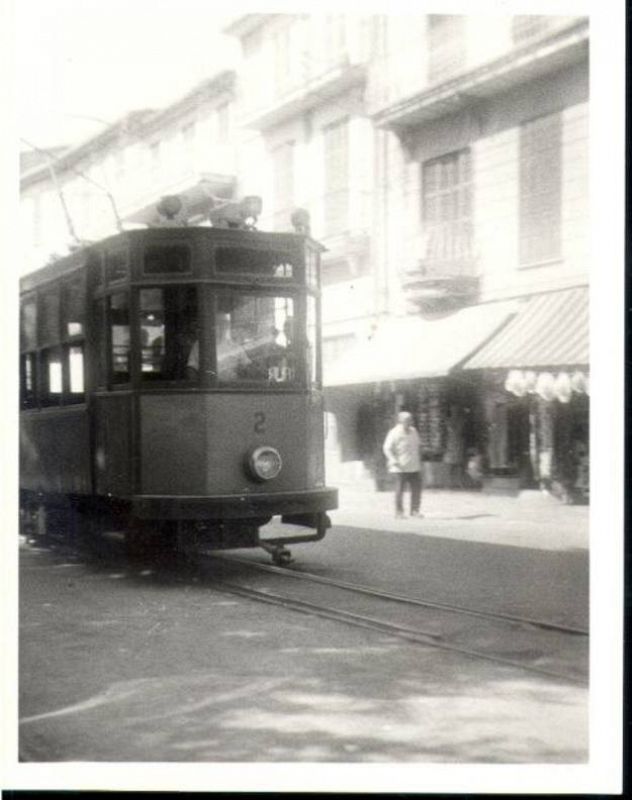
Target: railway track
column 544, row 624
column 536, row 646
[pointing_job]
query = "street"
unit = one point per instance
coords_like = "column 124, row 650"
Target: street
column 155, row 663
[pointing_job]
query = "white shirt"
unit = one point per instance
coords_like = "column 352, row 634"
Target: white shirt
column 401, row 448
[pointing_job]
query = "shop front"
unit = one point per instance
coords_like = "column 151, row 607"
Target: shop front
column 410, row 363
column 535, row 388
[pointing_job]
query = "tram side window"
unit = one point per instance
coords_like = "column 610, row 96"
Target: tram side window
column 49, row 316
column 73, row 330
column 76, row 383
column 52, row 377
column 255, row 339
column 73, row 306
column 118, row 320
column 28, row 361
column 312, row 341
column 168, row 331
column 28, row 386
column 28, row 325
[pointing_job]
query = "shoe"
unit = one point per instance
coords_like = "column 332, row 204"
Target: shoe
column 416, row 514
column 399, row 515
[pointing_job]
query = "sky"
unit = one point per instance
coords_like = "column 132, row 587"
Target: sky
column 82, row 64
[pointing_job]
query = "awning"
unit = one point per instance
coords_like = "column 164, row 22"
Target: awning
column 550, row 330
column 404, row 348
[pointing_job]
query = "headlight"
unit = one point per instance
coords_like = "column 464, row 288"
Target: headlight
column 265, row 463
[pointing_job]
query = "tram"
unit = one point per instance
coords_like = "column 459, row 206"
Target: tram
column 171, row 387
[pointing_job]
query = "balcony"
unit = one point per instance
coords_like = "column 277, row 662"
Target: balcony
column 441, row 284
column 394, row 106
column 304, row 95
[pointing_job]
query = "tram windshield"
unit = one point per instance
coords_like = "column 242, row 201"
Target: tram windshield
column 255, row 338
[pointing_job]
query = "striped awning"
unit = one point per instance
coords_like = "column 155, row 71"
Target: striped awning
column 550, row 330
column 406, row 348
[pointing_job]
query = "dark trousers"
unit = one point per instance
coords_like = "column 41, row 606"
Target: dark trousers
column 412, row 479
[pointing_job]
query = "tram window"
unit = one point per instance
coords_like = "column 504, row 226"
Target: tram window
column 28, row 391
column 168, row 330
column 249, row 261
column 255, row 339
column 52, row 381
column 73, row 306
column 75, row 373
column 312, row 340
column 118, row 314
column 116, row 265
column 311, row 268
column 28, row 325
column 167, row 259
column 49, row 316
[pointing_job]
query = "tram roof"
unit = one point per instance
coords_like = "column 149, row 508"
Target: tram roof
column 233, row 236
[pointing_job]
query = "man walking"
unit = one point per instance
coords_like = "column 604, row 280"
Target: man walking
column 401, row 448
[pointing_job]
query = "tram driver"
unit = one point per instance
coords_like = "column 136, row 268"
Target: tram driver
column 232, row 359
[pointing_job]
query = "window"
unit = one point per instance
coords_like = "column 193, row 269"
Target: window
column 76, row 383
column 116, row 265
column 118, row 320
column 73, row 306
column 49, row 316
column 52, row 377
column 313, row 376
column 28, row 385
column 28, row 324
column 256, row 339
column 336, row 146
column 73, row 294
column 312, row 273
column 446, row 46
column 283, row 184
column 248, row 261
column 446, row 209
column 168, row 330
column 167, row 259
column 540, row 190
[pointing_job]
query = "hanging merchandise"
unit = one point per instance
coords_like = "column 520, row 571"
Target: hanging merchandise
column 579, row 382
column 515, row 383
column 563, row 388
column 530, row 379
column 545, row 386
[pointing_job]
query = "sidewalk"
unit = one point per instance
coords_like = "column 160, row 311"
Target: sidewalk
column 531, row 519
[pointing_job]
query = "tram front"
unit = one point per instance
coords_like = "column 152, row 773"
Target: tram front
column 224, row 356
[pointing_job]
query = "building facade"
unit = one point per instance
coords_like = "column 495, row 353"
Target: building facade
column 444, row 162
column 484, row 161
column 115, row 179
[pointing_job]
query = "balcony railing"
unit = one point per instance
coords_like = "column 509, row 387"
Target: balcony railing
column 446, row 276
